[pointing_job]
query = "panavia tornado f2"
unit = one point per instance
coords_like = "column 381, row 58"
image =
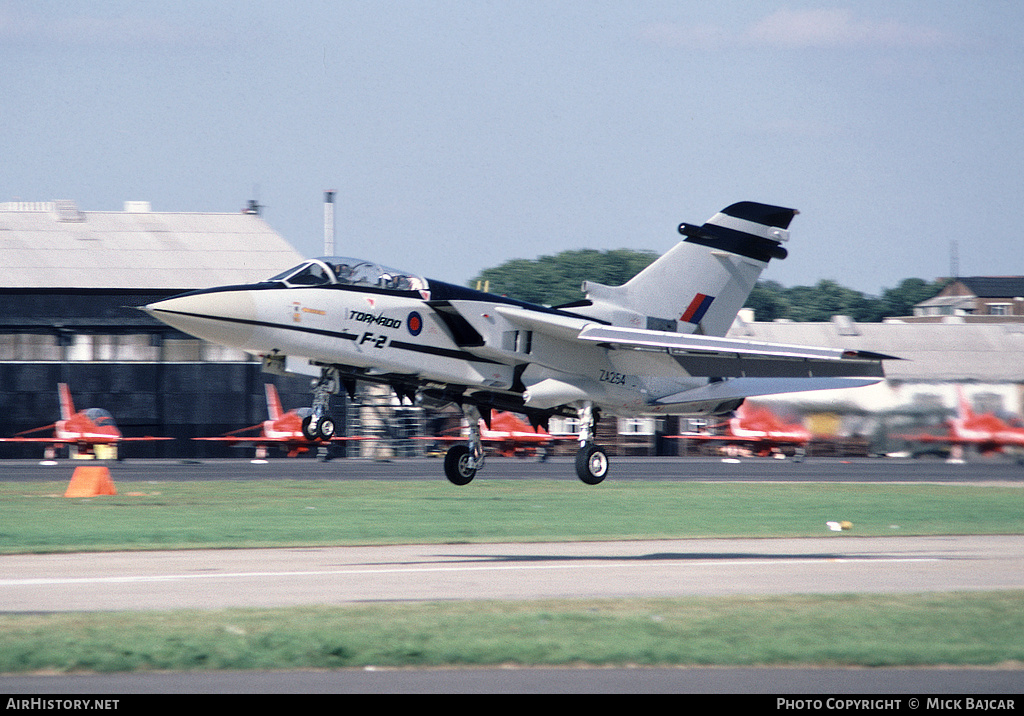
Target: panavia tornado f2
column 653, row 346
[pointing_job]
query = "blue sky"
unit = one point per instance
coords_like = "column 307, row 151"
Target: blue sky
column 459, row 135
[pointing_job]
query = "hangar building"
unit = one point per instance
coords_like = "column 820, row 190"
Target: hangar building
column 70, row 281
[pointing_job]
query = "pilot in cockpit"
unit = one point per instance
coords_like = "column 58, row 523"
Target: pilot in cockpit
column 343, row 272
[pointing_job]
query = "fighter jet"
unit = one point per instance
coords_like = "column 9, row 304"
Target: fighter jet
column 654, row 345
column 83, row 431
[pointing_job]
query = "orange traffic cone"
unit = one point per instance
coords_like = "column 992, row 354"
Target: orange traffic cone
column 90, row 481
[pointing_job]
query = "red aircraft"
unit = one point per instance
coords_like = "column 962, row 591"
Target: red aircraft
column 986, row 432
column 761, row 430
column 282, row 429
column 511, row 436
column 83, row 431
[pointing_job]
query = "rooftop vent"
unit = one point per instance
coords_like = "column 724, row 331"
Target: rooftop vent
column 67, row 210
column 137, row 207
column 845, row 326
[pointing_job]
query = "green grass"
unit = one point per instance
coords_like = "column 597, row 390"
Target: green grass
column 35, row 517
column 845, row 630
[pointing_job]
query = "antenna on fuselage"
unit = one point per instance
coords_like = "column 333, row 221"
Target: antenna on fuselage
column 328, row 223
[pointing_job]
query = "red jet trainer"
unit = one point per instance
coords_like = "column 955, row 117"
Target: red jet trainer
column 986, row 432
column 511, row 436
column 81, row 431
column 761, row 430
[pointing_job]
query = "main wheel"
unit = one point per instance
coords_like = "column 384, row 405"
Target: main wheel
column 591, row 464
column 457, row 465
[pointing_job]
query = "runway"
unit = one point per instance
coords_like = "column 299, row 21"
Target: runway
column 996, row 470
column 214, row 579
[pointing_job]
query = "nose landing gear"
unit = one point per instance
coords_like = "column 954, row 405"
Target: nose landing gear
column 319, row 425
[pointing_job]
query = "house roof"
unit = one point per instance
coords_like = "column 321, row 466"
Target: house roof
column 54, row 245
column 965, row 303
column 994, row 286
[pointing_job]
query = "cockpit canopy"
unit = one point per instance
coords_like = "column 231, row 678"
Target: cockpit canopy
column 99, row 416
column 340, row 270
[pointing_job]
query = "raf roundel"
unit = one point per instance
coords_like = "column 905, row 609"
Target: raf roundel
column 415, row 323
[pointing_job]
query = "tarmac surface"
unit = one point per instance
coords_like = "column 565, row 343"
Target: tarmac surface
column 283, row 577
column 662, row 568
column 995, row 470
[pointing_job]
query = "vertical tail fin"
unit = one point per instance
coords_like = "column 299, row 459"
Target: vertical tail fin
column 699, row 285
column 67, row 407
column 964, row 412
column 273, row 402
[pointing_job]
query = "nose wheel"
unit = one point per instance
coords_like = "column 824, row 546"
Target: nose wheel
column 323, row 429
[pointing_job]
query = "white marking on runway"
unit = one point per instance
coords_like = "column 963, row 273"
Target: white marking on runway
column 426, row 570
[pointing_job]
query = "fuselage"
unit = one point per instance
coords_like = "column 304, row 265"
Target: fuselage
column 92, row 426
column 429, row 331
column 1003, row 435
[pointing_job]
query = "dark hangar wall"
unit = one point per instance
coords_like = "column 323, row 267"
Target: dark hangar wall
column 179, row 400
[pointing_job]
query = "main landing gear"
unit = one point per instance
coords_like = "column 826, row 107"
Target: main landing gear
column 462, row 461
column 591, row 460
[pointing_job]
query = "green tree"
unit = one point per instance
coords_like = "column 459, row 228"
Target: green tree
column 554, row 280
column 768, row 299
column 900, row 301
column 826, row 299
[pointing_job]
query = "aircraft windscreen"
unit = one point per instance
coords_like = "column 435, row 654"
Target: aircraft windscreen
column 99, row 416
column 349, row 272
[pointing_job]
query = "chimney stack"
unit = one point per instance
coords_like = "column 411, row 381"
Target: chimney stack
column 328, row 223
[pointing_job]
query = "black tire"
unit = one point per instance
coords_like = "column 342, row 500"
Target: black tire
column 306, row 429
column 325, row 429
column 591, row 464
column 456, row 465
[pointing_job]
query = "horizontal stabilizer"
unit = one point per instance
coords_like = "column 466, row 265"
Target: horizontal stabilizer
column 715, row 357
column 737, row 388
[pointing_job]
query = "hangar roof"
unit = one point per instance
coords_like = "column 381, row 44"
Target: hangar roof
column 54, row 245
column 952, row 351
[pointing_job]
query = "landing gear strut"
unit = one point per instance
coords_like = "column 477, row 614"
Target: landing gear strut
column 462, row 461
column 591, row 460
column 318, row 425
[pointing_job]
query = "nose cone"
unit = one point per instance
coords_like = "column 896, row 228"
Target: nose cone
column 223, row 317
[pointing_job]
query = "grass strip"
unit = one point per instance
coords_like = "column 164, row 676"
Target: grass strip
column 35, row 517
column 982, row 629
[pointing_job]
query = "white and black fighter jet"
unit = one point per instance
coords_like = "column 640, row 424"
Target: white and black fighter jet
column 653, row 346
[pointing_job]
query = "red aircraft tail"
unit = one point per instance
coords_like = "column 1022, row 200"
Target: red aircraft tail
column 273, row 402
column 67, row 407
column 965, row 405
